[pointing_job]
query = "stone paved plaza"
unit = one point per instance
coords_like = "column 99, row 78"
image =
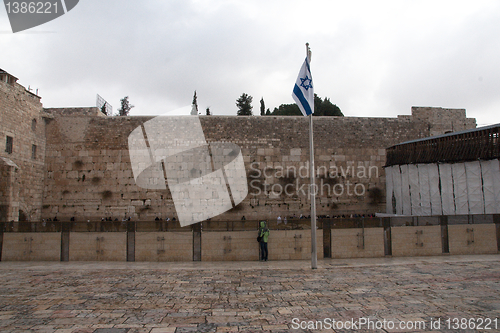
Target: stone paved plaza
column 115, row 297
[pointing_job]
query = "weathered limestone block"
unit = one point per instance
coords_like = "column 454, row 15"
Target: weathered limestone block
column 472, row 239
column 31, row 246
column 416, row 241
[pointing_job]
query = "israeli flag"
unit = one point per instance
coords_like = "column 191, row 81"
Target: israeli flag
column 303, row 92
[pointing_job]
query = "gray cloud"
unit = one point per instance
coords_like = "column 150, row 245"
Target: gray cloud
column 370, row 58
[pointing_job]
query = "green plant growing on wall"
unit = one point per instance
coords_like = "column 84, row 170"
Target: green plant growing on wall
column 125, row 108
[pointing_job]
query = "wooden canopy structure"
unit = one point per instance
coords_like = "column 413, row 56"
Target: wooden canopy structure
column 471, row 145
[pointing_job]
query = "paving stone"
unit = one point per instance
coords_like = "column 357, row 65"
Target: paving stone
column 163, row 330
column 244, row 296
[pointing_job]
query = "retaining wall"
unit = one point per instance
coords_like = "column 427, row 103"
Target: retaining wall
column 89, row 172
column 416, row 241
column 97, row 246
column 163, row 246
column 472, row 239
column 195, row 245
column 357, row 243
column 31, row 246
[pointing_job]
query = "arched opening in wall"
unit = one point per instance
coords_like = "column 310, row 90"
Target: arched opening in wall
column 33, row 125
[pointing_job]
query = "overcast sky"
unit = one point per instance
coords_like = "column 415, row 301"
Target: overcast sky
column 371, row 58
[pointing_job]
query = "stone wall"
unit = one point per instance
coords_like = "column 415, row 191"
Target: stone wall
column 443, row 120
column 175, row 245
column 231, row 245
column 9, row 190
column 31, row 246
column 293, row 244
column 416, row 241
column 68, row 112
column 357, row 243
column 21, row 118
column 81, row 166
column 243, row 245
column 163, row 246
column 97, row 246
column 89, row 174
column 473, row 239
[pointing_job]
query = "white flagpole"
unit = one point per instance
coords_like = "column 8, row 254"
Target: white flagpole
column 312, row 189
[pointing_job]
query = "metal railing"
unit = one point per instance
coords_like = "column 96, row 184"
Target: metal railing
column 244, row 225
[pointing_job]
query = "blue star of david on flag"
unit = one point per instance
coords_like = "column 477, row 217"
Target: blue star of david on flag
column 305, row 83
column 303, row 92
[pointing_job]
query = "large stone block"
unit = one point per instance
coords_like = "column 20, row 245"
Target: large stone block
column 31, row 246
column 472, row 239
column 231, row 245
column 357, row 243
column 164, row 246
column 416, row 241
column 97, row 246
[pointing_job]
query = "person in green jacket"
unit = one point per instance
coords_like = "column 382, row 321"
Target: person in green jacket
column 264, row 236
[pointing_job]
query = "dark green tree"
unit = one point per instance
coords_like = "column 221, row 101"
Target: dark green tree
column 262, row 107
column 317, row 105
column 125, row 108
column 321, row 108
column 208, row 111
column 325, row 107
column 287, row 110
column 194, row 110
column 244, row 104
column 104, row 110
column 330, row 109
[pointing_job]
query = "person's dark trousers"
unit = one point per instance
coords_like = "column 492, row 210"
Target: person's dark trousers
column 263, row 251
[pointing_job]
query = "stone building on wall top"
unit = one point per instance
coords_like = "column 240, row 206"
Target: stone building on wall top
column 74, row 162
